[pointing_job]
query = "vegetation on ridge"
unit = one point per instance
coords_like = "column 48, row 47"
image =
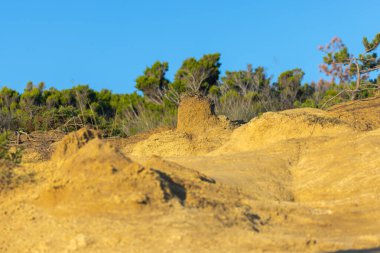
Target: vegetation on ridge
column 240, row 95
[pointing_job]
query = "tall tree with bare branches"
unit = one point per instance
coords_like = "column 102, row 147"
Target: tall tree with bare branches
column 197, row 76
column 339, row 63
column 153, row 83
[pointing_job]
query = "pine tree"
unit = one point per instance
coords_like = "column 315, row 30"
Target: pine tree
column 338, row 62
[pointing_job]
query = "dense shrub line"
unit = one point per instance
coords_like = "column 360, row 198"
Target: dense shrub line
column 240, row 95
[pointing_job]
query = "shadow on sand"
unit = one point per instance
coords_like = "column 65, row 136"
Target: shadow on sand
column 373, row 250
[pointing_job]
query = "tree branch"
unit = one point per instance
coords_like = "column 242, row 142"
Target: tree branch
column 370, row 70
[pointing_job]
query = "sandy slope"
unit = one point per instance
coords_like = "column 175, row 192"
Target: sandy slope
column 301, row 180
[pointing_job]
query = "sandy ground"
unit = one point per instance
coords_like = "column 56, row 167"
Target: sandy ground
column 301, row 180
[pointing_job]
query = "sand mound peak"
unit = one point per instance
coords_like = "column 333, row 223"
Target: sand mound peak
column 361, row 114
column 72, row 142
column 199, row 131
column 100, row 179
column 274, row 127
column 196, row 116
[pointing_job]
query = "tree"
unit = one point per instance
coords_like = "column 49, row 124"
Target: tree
column 8, row 102
column 33, row 94
column 52, row 98
column 102, row 106
column 84, row 98
column 154, row 83
column 338, row 62
column 28, row 107
column 242, row 81
column 247, row 81
column 289, row 83
column 197, row 76
column 241, row 95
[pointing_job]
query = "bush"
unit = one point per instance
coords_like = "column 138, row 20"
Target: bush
column 6, row 176
column 238, row 108
column 8, row 161
column 144, row 118
column 5, row 153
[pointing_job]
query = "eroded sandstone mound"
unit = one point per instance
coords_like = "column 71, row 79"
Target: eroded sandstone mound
column 72, row 142
column 273, row 127
column 199, row 131
column 361, row 114
column 196, row 116
column 98, row 179
column 301, row 180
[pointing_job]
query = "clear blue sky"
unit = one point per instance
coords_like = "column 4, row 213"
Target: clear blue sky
column 107, row 44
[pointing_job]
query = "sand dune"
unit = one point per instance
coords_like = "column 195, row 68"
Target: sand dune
column 302, row 180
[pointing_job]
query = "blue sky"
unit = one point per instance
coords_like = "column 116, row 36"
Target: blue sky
column 107, row 44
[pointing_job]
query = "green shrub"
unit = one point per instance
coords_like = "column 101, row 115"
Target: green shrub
column 8, row 162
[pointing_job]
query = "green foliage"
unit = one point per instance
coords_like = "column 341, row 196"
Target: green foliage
column 246, row 80
column 146, row 118
column 309, row 103
column 8, row 161
column 197, row 76
column 154, row 83
column 342, row 56
column 243, row 94
column 289, row 85
column 9, row 100
column 3, row 146
column 339, row 63
column 370, row 46
column 240, row 95
column 5, row 153
column 102, row 105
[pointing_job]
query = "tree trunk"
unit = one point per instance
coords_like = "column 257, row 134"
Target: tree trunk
column 358, row 79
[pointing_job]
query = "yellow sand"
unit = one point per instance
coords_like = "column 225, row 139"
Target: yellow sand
column 302, row 180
